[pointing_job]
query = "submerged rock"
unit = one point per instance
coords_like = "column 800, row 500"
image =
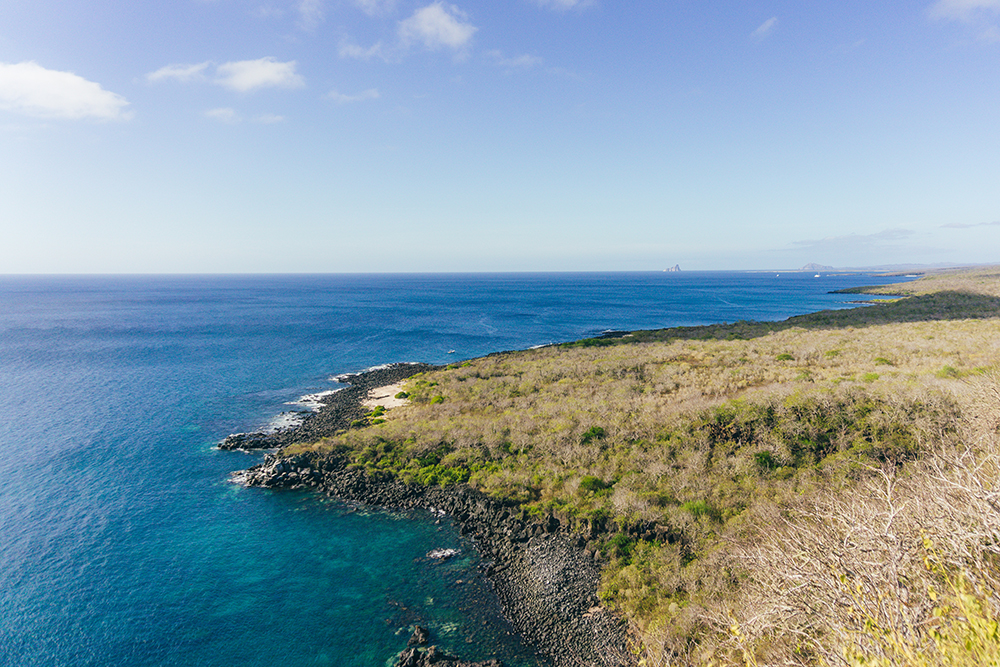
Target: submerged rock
column 413, row 657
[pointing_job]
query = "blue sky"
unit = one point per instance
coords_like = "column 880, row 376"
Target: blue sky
column 398, row 135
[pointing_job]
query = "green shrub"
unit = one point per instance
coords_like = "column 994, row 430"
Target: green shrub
column 700, row 508
column 593, row 484
column 402, row 394
column 593, row 433
column 437, row 400
column 869, row 377
column 765, row 461
column 619, row 546
column 784, row 356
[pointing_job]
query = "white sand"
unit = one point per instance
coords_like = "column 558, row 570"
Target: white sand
column 384, row 396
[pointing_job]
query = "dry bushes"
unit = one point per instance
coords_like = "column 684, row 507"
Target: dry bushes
column 902, row 571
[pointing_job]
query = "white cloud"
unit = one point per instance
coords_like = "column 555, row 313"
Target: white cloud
column 764, row 29
column 225, row 115
column 269, row 118
column 564, row 4
column 437, row 25
column 341, row 98
column 310, row 14
column 30, row 89
column 182, row 73
column 266, row 12
column 525, row 61
column 962, row 9
column 885, row 238
column 350, row 50
column 246, row 75
column 962, row 225
column 376, row 7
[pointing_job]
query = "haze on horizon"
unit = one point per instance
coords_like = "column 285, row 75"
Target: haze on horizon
column 398, row 135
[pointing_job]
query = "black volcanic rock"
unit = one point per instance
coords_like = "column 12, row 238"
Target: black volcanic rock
column 337, row 412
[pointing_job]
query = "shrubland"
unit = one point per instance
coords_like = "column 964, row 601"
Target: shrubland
column 822, row 490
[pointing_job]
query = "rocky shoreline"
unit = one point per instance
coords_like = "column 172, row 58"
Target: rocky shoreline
column 338, row 410
column 544, row 578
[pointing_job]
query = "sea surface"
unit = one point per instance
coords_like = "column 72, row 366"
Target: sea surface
column 122, row 543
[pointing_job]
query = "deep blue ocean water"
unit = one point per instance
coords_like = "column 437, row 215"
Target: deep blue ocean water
column 121, row 542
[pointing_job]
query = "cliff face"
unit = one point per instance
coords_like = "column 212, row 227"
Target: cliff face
column 546, row 582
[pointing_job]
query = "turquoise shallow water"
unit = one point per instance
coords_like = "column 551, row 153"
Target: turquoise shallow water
column 123, row 544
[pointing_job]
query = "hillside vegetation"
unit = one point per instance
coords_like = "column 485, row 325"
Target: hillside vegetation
column 822, row 490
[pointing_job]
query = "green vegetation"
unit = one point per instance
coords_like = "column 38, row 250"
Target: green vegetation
column 759, row 492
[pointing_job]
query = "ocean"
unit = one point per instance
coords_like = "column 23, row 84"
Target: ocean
column 122, row 543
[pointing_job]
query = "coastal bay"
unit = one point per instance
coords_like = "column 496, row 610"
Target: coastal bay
column 118, row 390
column 574, row 512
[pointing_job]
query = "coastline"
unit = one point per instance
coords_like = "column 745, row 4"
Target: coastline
column 338, row 408
column 544, row 579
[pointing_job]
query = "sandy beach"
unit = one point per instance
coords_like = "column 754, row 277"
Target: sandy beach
column 384, row 396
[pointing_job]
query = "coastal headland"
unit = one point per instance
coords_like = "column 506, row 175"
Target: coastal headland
column 754, row 492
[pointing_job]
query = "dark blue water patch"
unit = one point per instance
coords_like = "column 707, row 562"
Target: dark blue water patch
column 123, row 544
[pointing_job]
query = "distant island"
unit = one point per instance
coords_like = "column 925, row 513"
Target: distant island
column 675, row 267
column 816, row 267
column 813, row 491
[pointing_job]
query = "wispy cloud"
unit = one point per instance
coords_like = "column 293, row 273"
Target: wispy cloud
column 223, row 115
column 341, row 98
column 246, row 75
column 564, row 4
column 348, row 49
column 437, row 26
column 962, row 225
column 978, row 15
column 30, row 89
column 764, row 30
column 962, row 10
column 849, row 241
column 376, row 7
column 266, row 12
column 310, row 14
column 269, row 119
column 241, row 75
column 847, row 47
column 230, row 116
column 522, row 62
column 182, row 73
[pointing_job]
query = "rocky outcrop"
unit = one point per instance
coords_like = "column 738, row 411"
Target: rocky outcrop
column 419, row 636
column 413, row 657
column 546, row 582
column 337, row 412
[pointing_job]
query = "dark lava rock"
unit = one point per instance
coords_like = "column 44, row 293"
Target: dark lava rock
column 339, row 409
column 419, row 637
column 413, row 657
